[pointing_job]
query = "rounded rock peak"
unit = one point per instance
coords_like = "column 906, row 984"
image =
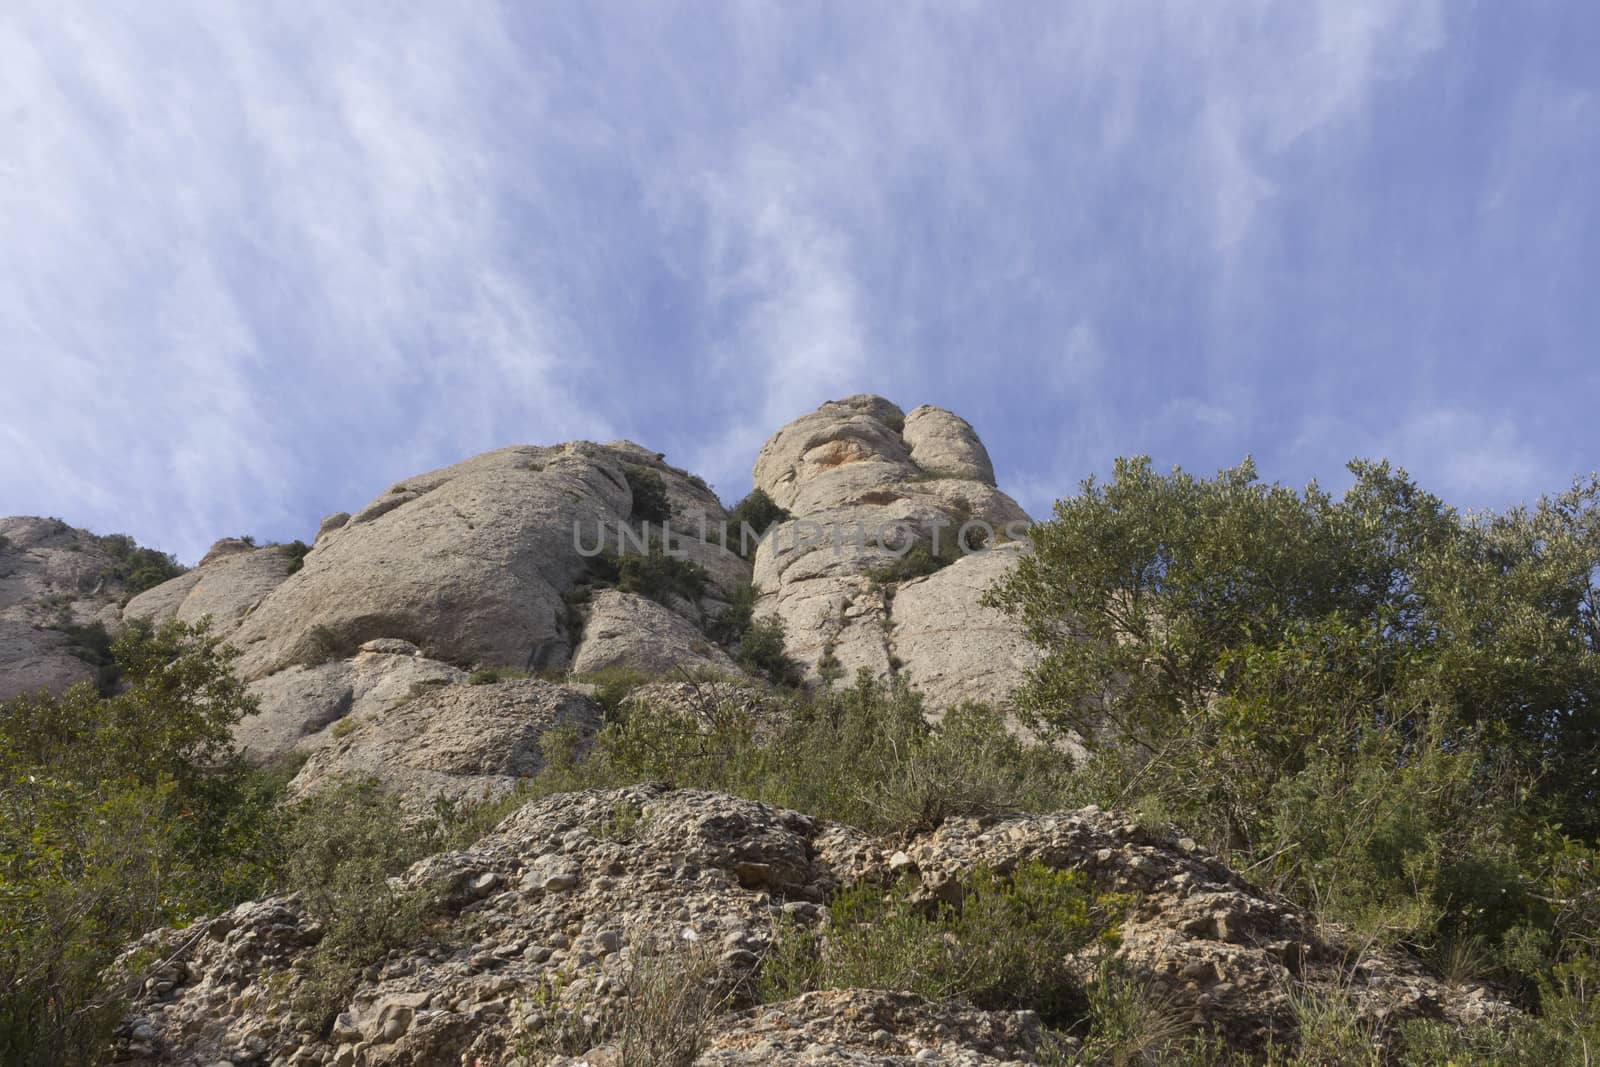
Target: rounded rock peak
column 227, row 546
column 942, row 442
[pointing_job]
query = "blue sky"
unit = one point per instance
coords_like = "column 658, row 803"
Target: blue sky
column 259, row 260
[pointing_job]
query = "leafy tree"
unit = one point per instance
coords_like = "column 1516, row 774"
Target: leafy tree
column 650, row 502
column 139, row 568
column 117, row 815
column 1376, row 701
column 757, row 511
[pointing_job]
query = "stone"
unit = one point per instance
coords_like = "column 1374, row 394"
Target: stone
column 627, row 630
column 464, row 742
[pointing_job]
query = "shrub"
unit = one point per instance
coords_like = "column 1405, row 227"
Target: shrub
column 341, row 847
column 138, row 568
column 1259, row 664
column 297, row 551
column 761, row 652
column 118, row 815
column 650, row 502
column 758, row 511
column 1009, row 944
column 661, row 577
column 323, row 644
column 863, row 756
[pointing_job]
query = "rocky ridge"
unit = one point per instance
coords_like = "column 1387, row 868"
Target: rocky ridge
column 540, row 925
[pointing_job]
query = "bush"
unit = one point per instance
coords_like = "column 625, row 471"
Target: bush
column 650, row 502
column 758, row 511
column 1383, row 707
column 297, row 551
column 864, row 756
column 661, row 577
column 117, row 816
column 138, row 568
column 1008, row 945
column 761, row 652
column 341, row 847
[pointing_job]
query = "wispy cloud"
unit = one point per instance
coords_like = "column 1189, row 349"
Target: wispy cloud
column 262, row 260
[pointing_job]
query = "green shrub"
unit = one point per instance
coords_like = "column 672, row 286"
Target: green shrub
column 341, row 847
column 1009, row 944
column 1383, row 707
column 297, row 551
column 650, row 502
column 864, row 756
column 118, row 815
column 728, row 628
column 761, row 652
column 758, row 511
column 138, row 568
column 917, row 561
column 661, row 577
column 323, row 644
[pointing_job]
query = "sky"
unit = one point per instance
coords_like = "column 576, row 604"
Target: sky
column 260, row 260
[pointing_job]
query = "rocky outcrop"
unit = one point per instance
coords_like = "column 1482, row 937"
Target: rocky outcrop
column 864, row 484
column 950, row 645
column 541, row 926
column 300, row 706
column 464, row 742
column 469, row 563
column 52, row 577
column 627, row 630
column 230, row 581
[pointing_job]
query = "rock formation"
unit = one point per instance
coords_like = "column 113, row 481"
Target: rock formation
column 541, row 924
column 53, row 577
column 855, row 475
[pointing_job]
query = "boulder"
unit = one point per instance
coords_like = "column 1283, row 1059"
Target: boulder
column 231, row 580
column 952, row 647
column 52, row 577
column 866, row 485
column 300, row 704
column 469, row 562
column 462, row 741
column 627, row 630
column 547, row 923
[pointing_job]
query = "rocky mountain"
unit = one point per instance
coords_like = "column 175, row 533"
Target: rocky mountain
column 488, row 564
column 434, row 637
column 548, row 919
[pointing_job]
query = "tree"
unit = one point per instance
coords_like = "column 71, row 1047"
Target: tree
column 117, row 815
column 1357, row 697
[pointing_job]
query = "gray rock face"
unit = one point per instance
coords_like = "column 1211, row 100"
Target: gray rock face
column 953, row 648
column 862, row 481
column 469, row 562
column 232, row 579
column 465, row 742
column 625, row 630
column 51, row 575
column 300, row 705
column 555, row 910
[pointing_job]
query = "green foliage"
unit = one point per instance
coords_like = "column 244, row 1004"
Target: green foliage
column 729, row 627
column 1375, row 703
column 323, row 644
column 138, row 568
column 661, row 577
column 650, row 503
column 1009, row 943
column 917, row 561
column 1566, row 1033
column 761, row 652
column 297, row 551
column 757, row 511
column 92, row 644
column 340, row 848
column 117, row 815
column 491, row 675
column 863, row 756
